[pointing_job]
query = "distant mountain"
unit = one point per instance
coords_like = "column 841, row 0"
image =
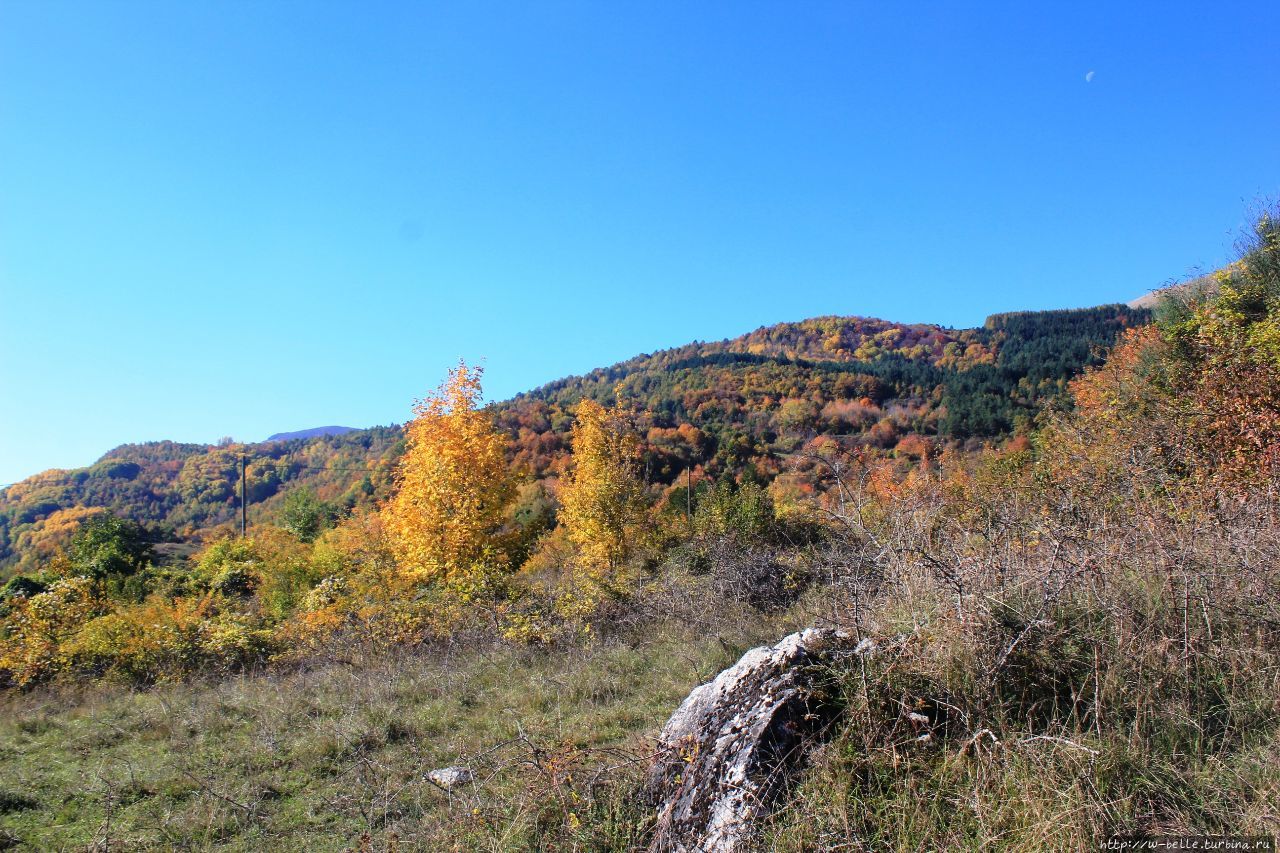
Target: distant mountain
column 743, row 406
column 1184, row 290
column 314, row 432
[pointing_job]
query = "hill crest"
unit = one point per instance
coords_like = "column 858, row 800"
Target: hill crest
column 313, row 432
column 729, row 406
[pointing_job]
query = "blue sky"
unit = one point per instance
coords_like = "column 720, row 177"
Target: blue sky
column 240, row 218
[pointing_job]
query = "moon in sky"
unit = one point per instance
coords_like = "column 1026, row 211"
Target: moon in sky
column 1088, row 78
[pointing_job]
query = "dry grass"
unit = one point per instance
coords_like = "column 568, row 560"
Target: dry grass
column 334, row 757
column 1047, row 678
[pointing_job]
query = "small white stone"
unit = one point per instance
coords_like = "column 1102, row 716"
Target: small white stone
column 451, row 777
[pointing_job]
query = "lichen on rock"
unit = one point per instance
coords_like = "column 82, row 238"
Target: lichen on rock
column 727, row 751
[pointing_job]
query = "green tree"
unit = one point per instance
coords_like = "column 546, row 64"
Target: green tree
column 305, row 515
column 110, row 548
column 737, row 512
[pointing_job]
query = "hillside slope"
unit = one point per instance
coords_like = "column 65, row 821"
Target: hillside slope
column 749, row 401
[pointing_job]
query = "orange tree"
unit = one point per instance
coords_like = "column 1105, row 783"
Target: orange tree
column 1192, row 402
column 452, row 488
column 1227, row 349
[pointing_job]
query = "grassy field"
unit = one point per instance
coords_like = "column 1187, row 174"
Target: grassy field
column 1039, row 753
column 336, row 757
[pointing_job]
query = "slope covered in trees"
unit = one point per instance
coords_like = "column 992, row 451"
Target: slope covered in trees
column 754, row 400
column 711, row 407
column 182, row 490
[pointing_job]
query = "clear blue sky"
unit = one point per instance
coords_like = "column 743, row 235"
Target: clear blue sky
column 237, row 218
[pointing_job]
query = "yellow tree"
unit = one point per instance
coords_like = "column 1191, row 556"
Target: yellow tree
column 602, row 498
column 452, row 486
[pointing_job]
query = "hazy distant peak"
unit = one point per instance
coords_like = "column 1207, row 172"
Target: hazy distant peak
column 311, row 433
column 1184, row 290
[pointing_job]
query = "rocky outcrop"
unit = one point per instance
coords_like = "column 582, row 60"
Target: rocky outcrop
column 727, row 751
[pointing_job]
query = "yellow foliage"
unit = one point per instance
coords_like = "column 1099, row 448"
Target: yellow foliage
column 356, row 541
column 34, row 630
column 453, row 483
column 602, row 498
column 548, row 566
column 363, row 591
column 161, row 639
column 45, row 539
column 526, row 628
column 367, row 595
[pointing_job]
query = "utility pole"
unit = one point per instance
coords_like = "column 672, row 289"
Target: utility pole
column 244, row 509
column 688, row 495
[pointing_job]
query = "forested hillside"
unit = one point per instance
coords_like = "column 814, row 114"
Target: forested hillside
column 748, row 402
column 181, row 490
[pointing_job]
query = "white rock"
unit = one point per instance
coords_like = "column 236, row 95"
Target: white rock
column 451, row 777
column 727, row 747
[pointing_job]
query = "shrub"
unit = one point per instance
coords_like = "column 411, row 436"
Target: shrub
column 34, row 630
column 163, row 639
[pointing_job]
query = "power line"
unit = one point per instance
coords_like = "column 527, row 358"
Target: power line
column 244, row 470
column 345, row 470
column 341, row 468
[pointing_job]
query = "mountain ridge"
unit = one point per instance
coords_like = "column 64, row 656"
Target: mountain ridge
column 728, row 406
column 313, row 432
